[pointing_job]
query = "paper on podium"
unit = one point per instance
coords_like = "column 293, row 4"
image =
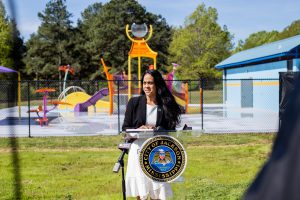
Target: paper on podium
column 139, row 133
column 137, row 130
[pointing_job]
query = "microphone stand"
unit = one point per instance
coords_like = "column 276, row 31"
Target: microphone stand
column 120, row 163
column 124, row 147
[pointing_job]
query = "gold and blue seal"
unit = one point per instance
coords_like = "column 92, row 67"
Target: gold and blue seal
column 163, row 158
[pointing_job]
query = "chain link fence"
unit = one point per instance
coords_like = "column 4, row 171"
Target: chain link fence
column 211, row 106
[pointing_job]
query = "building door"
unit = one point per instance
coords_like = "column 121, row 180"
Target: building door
column 247, row 93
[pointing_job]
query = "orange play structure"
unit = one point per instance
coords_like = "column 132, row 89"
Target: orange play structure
column 110, row 83
column 139, row 48
column 66, row 68
column 79, row 101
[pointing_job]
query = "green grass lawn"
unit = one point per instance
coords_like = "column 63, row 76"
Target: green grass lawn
column 219, row 166
column 209, row 97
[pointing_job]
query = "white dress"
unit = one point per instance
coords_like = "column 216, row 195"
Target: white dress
column 137, row 183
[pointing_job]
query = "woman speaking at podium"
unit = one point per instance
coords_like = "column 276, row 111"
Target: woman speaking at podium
column 155, row 109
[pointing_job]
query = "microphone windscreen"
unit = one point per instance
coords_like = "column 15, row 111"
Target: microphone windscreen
column 125, row 146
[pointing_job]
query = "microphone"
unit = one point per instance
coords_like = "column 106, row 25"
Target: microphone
column 116, row 167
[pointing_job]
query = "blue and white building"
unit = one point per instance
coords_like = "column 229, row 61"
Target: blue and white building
column 251, row 77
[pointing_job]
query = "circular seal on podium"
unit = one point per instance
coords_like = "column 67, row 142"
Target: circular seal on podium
column 163, row 158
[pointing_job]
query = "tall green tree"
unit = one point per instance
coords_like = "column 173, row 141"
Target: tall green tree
column 11, row 44
column 264, row 37
column 291, row 30
column 257, row 39
column 200, row 44
column 18, row 48
column 53, row 44
column 34, row 57
column 103, row 27
column 5, row 44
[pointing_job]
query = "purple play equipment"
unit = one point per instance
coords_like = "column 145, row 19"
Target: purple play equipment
column 44, row 119
column 170, row 77
column 6, row 70
column 83, row 107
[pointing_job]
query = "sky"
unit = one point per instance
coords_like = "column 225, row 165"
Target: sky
column 242, row 17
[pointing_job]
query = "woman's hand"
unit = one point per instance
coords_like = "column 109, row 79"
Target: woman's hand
column 146, row 127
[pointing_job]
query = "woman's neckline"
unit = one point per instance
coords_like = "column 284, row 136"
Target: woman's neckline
column 152, row 105
column 150, row 101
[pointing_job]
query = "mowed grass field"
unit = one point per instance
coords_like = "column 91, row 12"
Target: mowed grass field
column 209, row 97
column 220, row 166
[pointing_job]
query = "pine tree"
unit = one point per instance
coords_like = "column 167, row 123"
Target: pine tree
column 53, row 44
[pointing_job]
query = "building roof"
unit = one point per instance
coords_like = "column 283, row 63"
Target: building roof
column 262, row 53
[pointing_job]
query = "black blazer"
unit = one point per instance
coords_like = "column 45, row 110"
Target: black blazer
column 135, row 115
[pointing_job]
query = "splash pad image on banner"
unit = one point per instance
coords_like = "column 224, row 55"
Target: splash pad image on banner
column 163, row 158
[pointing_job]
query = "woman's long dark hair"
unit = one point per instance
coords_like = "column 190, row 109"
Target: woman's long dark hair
column 165, row 98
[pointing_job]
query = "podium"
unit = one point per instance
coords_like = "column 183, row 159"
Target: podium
column 161, row 157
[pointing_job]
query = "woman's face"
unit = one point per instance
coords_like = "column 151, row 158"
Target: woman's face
column 149, row 86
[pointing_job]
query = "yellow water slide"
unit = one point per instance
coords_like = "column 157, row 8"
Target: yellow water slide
column 80, row 97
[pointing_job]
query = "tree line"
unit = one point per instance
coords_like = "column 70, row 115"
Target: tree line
column 197, row 46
